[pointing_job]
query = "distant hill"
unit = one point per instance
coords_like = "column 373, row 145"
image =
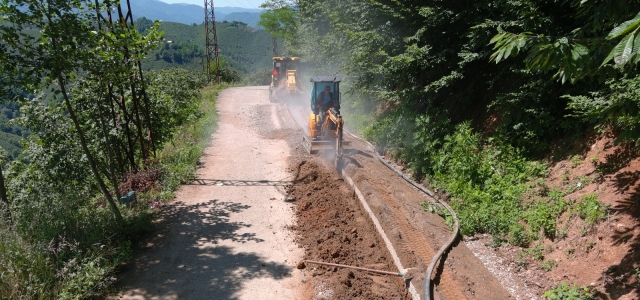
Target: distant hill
column 250, row 18
column 158, row 10
column 189, row 13
column 244, row 48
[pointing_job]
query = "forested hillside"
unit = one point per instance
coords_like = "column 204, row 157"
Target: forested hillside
column 482, row 98
column 243, row 48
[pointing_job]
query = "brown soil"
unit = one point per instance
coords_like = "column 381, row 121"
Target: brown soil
column 332, row 227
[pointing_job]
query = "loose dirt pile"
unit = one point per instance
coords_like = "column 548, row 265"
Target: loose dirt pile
column 331, row 227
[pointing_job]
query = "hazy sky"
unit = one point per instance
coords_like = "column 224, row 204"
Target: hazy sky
column 221, row 3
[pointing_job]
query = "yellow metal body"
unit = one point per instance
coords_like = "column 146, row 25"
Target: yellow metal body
column 325, row 134
column 292, row 86
column 286, row 80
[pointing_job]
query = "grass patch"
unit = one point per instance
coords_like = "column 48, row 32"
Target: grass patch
column 591, row 210
column 548, row 265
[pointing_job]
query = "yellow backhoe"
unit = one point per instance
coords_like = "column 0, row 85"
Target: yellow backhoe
column 284, row 77
column 325, row 122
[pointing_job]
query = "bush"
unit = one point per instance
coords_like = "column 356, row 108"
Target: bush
column 591, row 210
column 486, row 182
column 566, row 292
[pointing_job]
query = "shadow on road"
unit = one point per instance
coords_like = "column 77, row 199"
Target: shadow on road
column 201, row 268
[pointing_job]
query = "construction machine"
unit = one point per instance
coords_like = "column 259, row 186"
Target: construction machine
column 284, row 77
column 325, row 122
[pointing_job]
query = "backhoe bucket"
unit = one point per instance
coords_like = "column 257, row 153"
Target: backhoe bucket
column 313, row 146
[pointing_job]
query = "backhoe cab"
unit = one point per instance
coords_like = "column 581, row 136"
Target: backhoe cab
column 325, row 122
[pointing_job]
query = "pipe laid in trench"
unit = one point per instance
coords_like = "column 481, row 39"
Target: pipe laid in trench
column 456, row 230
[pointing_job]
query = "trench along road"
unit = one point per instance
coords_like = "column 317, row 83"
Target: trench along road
column 260, row 205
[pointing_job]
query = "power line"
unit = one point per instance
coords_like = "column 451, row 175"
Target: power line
column 230, row 5
column 250, row 5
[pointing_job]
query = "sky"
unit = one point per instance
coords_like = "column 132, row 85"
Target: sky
column 221, row 3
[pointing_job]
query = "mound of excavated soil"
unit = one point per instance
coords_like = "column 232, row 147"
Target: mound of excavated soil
column 331, row 227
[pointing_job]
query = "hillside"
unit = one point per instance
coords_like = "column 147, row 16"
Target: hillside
column 242, row 47
column 250, row 18
column 158, row 10
column 190, row 13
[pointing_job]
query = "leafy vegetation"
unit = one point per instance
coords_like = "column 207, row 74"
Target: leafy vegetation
column 591, row 210
column 422, row 82
column 91, row 124
column 564, row 291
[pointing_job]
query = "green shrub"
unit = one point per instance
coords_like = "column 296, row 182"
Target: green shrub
column 487, row 183
column 566, row 292
column 591, row 210
column 548, row 265
column 542, row 215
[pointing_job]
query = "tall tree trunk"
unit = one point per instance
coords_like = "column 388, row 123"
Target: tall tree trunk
column 85, row 148
column 119, row 144
column 147, row 110
column 127, row 131
column 107, row 145
column 3, row 194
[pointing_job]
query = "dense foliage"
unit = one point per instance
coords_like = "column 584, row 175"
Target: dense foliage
column 92, row 120
column 430, row 83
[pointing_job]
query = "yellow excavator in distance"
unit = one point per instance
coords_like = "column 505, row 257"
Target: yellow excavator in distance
column 325, row 122
column 284, row 77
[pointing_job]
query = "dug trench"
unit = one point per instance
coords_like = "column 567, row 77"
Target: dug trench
column 333, row 227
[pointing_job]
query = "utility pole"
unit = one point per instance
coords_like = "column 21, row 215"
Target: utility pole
column 212, row 39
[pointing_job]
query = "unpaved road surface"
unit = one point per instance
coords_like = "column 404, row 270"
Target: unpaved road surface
column 261, row 205
column 225, row 236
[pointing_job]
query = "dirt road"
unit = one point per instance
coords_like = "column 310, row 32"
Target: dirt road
column 261, row 204
column 225, row 236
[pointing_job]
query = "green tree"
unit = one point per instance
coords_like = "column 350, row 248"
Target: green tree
column 3, row 188
column 596, row 33
column 281, row 21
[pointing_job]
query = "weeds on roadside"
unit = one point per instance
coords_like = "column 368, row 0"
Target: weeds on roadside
column 521, row 260
column 438, row 209
column 548, row 265
column 576, row 160
column 537, row 252
column 566, row 292
column 495, row 190
column 591, row 210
